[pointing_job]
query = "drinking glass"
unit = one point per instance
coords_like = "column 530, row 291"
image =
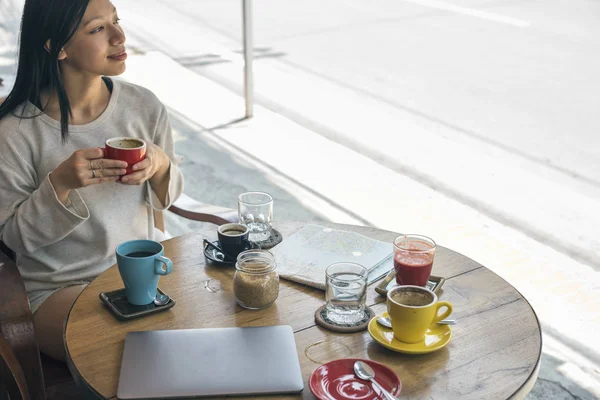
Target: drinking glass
column 255, row 210
column 413, row 259
column 346, row 292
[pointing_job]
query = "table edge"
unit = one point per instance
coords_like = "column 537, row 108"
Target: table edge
column 526, row 387
column 77, row 377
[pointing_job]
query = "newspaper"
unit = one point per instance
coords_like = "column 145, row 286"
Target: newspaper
column 304, row 255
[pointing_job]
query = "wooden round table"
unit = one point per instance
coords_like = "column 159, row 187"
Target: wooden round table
column 494, row 352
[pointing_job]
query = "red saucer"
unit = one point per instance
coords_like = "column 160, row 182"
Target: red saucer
column 336, row 381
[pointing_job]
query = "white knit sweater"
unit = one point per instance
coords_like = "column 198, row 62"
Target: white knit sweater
column 59, row 245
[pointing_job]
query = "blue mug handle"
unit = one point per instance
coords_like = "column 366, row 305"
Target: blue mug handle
column 158, row 265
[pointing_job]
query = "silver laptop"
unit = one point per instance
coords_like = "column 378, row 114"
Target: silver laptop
column 209, row 362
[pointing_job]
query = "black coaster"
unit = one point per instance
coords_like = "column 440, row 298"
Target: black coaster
column 434, row 284
column 116, row 302
column 322, row 320
column 271, row 241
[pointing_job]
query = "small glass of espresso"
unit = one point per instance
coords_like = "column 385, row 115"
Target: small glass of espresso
column 413, row 259
column 233, row 239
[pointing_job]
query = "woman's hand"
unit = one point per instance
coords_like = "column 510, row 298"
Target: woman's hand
column 156, row 164
column 84, row 168
column 155, row 169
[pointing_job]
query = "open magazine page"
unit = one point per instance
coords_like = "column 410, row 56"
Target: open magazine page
column 304, row 256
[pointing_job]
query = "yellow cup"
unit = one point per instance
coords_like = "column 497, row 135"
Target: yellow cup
column 412, row 310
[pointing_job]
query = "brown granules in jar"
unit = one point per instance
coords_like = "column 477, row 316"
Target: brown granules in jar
column 255, row 291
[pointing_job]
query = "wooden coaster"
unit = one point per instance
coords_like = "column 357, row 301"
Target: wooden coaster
column 271, row 241
column 322, row 320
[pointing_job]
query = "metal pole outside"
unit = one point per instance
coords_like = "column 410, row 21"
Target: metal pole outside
column 248, row 79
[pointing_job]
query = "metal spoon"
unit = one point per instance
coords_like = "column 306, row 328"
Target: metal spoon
column 220, row 250
column 364, row 371
column 385, row 321
column 161, row 299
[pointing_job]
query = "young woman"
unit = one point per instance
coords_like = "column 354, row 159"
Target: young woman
column 62, row 209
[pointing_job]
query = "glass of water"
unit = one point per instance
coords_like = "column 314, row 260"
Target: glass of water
column 346, row 292
column 255, row 210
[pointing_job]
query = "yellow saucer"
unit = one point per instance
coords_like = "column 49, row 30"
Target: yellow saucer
column 436, row 337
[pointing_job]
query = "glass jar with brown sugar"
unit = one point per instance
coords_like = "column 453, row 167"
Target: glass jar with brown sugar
column 256, row 281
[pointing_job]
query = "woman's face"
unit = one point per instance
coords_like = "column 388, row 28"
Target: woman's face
column 98, row 46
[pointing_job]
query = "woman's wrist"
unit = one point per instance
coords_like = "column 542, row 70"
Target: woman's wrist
column 61, row 192
column 160, row 180
column 163, row 168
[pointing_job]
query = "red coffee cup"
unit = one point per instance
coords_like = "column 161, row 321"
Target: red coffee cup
column 130, row 150
column 413, row 259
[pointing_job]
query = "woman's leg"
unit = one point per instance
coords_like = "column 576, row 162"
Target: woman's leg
column 49, row 320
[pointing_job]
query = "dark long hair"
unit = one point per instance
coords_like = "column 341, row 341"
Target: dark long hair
column 38, row 68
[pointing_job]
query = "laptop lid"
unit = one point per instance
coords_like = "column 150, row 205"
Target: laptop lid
column 209, row 362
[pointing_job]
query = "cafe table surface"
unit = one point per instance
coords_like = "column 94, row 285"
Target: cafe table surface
column 494, row 352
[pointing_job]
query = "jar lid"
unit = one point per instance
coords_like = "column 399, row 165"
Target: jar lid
column 256, row 262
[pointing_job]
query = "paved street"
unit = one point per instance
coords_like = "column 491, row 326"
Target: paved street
column 494, row 109
column 469, row 121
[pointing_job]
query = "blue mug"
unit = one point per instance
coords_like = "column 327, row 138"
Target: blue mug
column 140, row 263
